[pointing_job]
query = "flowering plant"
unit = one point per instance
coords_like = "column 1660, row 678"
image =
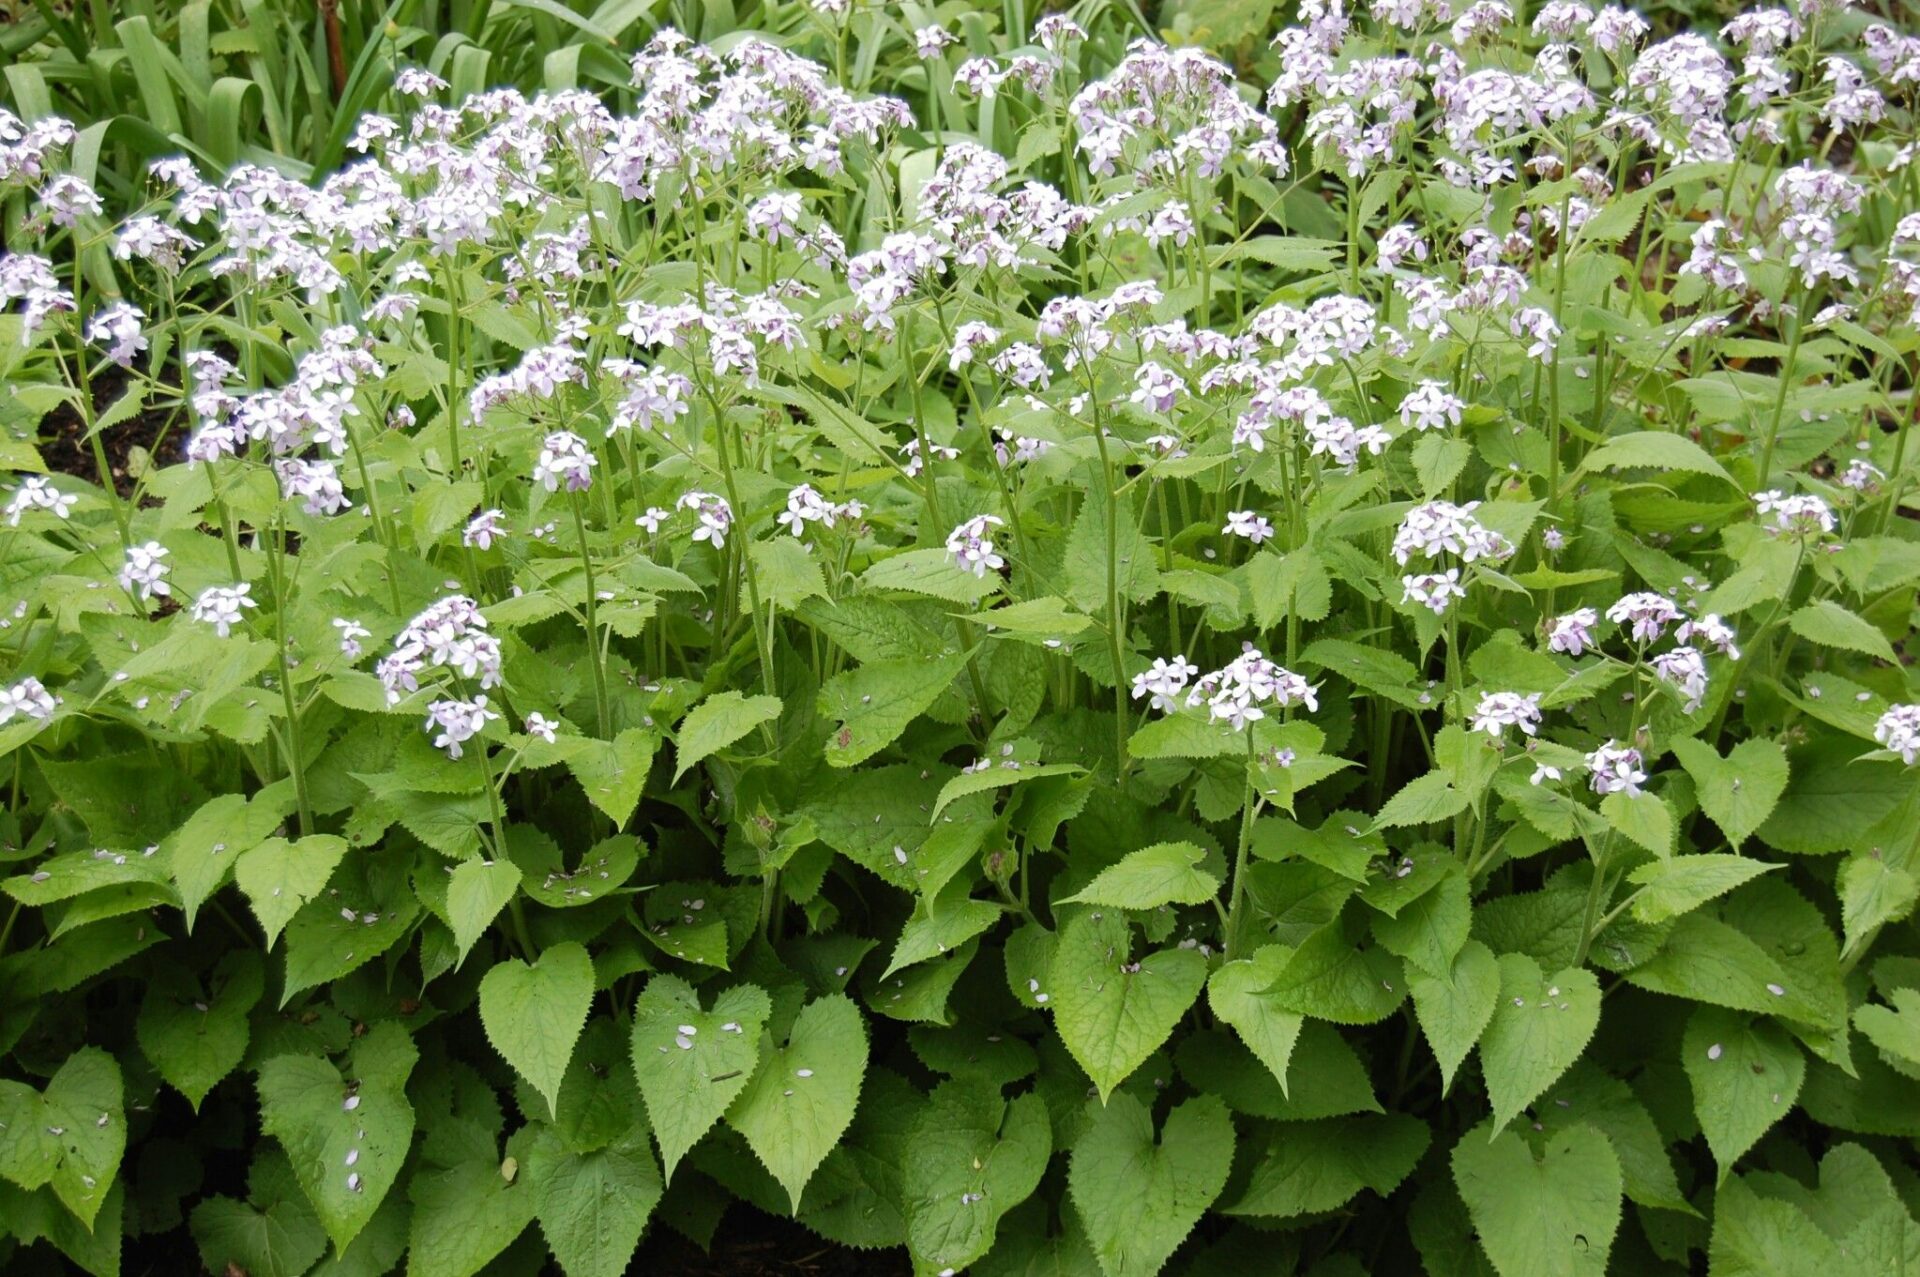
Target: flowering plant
column 1086, row 660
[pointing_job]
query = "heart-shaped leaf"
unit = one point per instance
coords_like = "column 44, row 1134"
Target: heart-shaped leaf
column 71, row 1135
column 1538, row 1030
column 802, row 1098
column 692, row 1063
column 973, row 1158
column 1546, row 1214
column 1746, row 1073
column 1139, row 1200
column 534, row 1014
column 1112, row 1012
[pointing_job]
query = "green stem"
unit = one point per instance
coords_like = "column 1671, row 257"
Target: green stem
column 603, row 711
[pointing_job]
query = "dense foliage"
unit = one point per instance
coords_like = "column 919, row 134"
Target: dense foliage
column 1092, row 661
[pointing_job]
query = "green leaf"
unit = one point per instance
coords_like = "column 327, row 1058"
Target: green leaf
column 1551, row 1213
column 1294, row 584
column 197, row 1036
column 1642, row 819
column 1669, row 888
column 592, row 1207
column 788, row 575
column 1310, row 1167
column 688, row 1087
column 1438, row 459
column 1894, row 1029
column 533, row 1014
column 1328, row 978
column 876, row 702
column 1708, row 961
column 1872, row 894
column 1295, row 253
column 1655, row 450
column 1237, row 992
column 274, row 1233
column 466, row 1213
column 980, row 782
column 614, row 772
column 1737, row 792
column 1165, row 873
column 944, row 927
column 718, row 722
column 1185, row 736
column 1421, row 800
column 1755, row 1236
column 1138, row 1200
column 367, row 906
column 203, row 851
column 477, row 891
column 1590, row 1096
column 1454, row 1009
column 1539, row 1028
column 1112, row 1012
column 973, row 1157
column 1830, row 625
column 801, row 1100
column 70, row 1136
column 1084, row 569
column 930, row 572
column 1746, row 1074
column 322, row 1120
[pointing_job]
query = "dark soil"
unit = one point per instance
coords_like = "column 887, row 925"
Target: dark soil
column 751, row 1243
column 64, row 446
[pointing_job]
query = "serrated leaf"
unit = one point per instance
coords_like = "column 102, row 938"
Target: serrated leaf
column 1237, row 992
column 1112, row 1012
column 991, row 778
column 1893, row 1029
column 973, row 1157
column 533, row 1014
column 1165, row 873
column 197, row 1036
column 1737, row 792
column 1455, row 1009
column 1539, row 1028
column 465, row 1214
column 274, row 1233
column 323, row 1120
column 1872, row 894
column 1755, row 1236
column 718, row 722
column 944, row 927
column 1424, row 798
column 1309, row 1167
column 279, row 876
column 205, row 849
column 1643, row 819
column 592, row 1207
column 1830, row 625
column 1746, row 1074
column 874, row 703
column 477, row 891
column 1669, row 888
column 1330, row 978
column 70, row 1136
column 1553, row 1213
column 930, row 572
column 1138, row 1200
column 614, row 772
column 688, row 1088
column 1655, row 450
column 801, row 1099
column 367, row 907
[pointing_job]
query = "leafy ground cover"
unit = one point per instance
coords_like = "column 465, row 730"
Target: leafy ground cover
column 1027, row 645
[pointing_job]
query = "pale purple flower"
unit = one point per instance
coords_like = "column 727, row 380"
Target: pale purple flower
column 483, row 529
column 1616, row 770
column 714, row 517
column 1236, row 693
column 117, row 327
column 1573, row 632
column 1498, row 711
column 1711, row 630
column 565, row 458
column 1898, row 729
column 1433, row 590
column 540, row 725
column 1164, row 681
column 1429, row 406
column 1246, row 523
column 35, row 493
column 971, row 545
column 222, row 606
column 351, row 632
column 1647, row 613
column 1797, row 515
column 1686, row 670
column 29, row 698
column 458, row 722
column 145, row 571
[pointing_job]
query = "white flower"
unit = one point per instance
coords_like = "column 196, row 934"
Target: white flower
column 145, row 572
column 458, row 721
column 1711, row 630
column 971, row 545
column 1434, row 590
column 1799, row 515
column 30, row 699
column 565, row 458
column 540, row 725
column 714, row 514
column 1441, row 527
column 1648, row 613
column 1236, row 692
column 1164, row 681
column 351, row 632
column 1686, row 670
column 221, row 606
column 1616, row 770
column 1498, row 711
column 651, row 518
column 1543, row 772
column 117, row 327
column 1429, row 407
column 1245, row 523
column 316, row 483
column 483, row 529
column 35, row 493
column 1898, row 729
column 1572, row 633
